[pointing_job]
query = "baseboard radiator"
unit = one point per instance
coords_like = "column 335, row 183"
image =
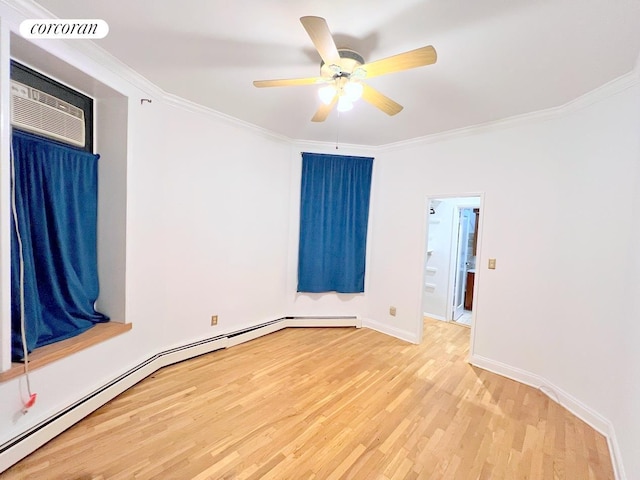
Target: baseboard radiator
column 22, row 445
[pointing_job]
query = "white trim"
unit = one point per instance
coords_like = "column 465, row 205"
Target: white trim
column 315, row 322
column 568, row 401
column 294, row 322
column 35, row 437
column 97, row 54
column 193, row 107
column 453, row 264
column 390, row 330
column 5, row 193
column 345, row 148
column 28, row 9
column 609, row 89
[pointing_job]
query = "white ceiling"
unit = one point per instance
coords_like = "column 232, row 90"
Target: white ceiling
column 496, row 58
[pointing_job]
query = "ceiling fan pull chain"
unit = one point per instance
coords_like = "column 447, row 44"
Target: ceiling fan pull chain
column 338, row 130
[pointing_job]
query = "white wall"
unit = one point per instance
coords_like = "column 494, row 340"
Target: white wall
column 212, row 228
column 439, row 241
column 626, row 375
column 5, row 215
column 225, row 212
column 206, row 233
column 557, row 216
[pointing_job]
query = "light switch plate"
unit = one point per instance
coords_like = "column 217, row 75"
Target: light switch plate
column 492, row 263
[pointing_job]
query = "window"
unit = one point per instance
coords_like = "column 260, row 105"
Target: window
column 54, row 275
column 334, row 213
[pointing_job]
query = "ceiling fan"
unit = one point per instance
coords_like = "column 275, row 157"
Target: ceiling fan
column 342, row 72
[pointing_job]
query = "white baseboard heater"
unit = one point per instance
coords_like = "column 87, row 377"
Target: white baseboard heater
column 22, row 445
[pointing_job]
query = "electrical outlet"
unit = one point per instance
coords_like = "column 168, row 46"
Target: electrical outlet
column 392, row 311
column 214, row 319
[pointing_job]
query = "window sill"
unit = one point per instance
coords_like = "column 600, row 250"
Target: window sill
column 50, row 353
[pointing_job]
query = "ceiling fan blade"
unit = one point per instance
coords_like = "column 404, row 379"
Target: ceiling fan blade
column 320, row 35
column 384, row 103
column 288, row 82
column 403, row 61
column 324, row 110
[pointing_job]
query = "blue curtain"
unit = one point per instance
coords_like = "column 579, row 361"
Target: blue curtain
column 334, row 212
column 56, row 194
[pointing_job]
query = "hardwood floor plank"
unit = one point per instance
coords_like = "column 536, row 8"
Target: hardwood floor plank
column 327, row 404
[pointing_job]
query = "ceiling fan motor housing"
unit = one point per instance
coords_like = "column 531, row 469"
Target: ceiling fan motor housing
column 349, row 61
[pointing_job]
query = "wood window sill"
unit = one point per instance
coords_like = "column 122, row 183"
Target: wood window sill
column 50, row 353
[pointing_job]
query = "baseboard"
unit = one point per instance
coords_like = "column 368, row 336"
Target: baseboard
column 22, row 445
column 324, row 322
column 390, row 330
column 435, row 317
column 575, row 406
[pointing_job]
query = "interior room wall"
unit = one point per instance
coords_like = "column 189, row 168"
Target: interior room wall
column 559, row 199
column 207, row 218
column 210, row 243
column 226, row 207
column 321, row 304
column 211, row 228
column 626, row 417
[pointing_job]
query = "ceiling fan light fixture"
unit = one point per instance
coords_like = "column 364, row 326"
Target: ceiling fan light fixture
column 343, row 71
column 327, row 93
column 353, row 91
column 344, row 104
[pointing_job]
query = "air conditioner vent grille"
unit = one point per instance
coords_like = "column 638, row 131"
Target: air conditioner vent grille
column 44, row 114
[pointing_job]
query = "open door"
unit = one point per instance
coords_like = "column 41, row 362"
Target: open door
column 462, row 254
column 450, row 257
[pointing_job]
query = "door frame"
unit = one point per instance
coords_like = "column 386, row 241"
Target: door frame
column 479, row 261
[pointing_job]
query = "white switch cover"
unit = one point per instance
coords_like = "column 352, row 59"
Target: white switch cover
column 492, row 263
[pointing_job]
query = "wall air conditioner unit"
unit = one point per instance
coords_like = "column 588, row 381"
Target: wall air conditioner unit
column 46, row 115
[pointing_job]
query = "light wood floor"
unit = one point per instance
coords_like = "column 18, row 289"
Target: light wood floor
column 327, row 404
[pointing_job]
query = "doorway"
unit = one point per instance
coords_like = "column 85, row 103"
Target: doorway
column 452, row 248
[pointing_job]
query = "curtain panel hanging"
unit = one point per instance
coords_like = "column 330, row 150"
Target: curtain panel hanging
column 56, row 192
column 334, row 213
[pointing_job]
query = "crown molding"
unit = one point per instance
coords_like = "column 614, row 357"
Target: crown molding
column 180, row 102
column 68, row 50
column 75, row 51
column 28, row 9
column 92, row 52
column 332, row 147
column 603, row 92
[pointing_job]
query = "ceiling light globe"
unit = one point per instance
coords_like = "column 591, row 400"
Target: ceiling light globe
column 344, row 104
column 327, row 93
column 353, row 91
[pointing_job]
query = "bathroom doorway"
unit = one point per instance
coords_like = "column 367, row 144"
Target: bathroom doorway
column 450, row 260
